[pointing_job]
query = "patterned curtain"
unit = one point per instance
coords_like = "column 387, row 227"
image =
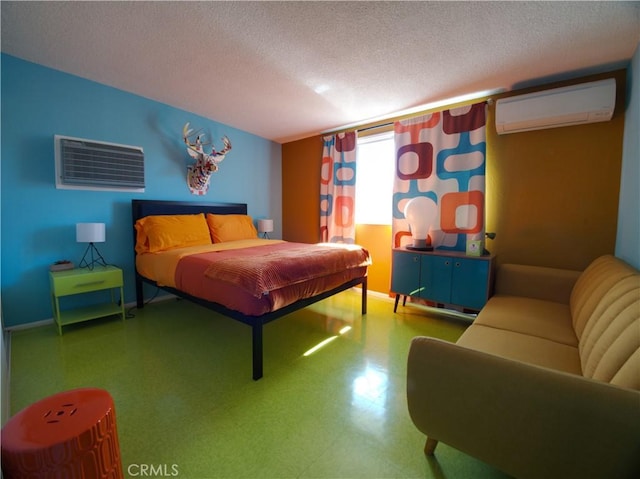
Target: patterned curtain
column 338, row 188
column 442, row 156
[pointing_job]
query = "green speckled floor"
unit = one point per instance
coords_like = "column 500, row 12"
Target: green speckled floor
column 180, row 376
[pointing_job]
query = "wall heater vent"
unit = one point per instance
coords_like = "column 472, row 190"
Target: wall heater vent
column 95, row 165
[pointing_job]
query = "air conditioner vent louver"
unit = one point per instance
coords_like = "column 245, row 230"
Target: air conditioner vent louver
column 87, row 164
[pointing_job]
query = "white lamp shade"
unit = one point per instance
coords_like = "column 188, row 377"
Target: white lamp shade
column 265, row 226
column 90, row 232
column 420, row 213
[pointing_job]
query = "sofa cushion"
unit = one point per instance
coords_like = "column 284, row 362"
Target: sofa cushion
column 551, row 284
column 610, row 343
column 535, row 317
column 522, row 347
column 592, row 285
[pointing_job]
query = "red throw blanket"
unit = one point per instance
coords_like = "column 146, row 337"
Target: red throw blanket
column 275, row 266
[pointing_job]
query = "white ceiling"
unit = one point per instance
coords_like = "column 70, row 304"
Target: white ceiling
column 289, row 70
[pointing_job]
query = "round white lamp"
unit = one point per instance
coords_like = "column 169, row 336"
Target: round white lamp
column 420, row 213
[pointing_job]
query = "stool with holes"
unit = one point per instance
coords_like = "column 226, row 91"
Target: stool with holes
column 68, row 435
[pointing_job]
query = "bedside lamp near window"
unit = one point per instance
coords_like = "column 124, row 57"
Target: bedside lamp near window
column 265, row 227
column 91, row 233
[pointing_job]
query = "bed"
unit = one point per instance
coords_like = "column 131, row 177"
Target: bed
column 235, row 273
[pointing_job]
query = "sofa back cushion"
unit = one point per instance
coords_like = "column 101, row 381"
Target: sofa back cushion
column 591, row 287
column 607, row 322
column 610, row 345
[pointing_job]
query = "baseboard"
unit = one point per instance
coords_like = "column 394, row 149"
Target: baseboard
column 34, row 324
column 48, row 321
column 375, row 294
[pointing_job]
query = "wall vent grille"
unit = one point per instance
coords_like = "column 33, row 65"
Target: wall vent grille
column 94, row 165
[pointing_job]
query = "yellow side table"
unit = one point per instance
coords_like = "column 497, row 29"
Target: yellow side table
column 83, row 280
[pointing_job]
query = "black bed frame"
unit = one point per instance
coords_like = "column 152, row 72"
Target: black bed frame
column 142, row 208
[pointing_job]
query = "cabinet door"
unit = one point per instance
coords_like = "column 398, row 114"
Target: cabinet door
column 435, row 278
column 469, row 282
column 405, row 274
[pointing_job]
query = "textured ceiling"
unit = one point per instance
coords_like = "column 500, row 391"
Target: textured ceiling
column 288, row 70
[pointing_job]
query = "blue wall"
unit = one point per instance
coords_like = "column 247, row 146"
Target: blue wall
column 38, row 220
column 628, row 236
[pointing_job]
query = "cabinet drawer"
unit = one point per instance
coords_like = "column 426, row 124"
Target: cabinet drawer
column 84, row 282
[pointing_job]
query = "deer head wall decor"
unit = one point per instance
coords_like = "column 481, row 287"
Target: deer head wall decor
column 199, row 174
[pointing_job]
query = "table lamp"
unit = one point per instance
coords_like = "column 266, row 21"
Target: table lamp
column 265, row 227
column 91, row 233
column 420, row 213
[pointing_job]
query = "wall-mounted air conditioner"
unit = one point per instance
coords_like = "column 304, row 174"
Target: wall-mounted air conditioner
column 97, row 165
column 572, row 105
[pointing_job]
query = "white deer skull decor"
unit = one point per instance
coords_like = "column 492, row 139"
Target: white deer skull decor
column 199, row 174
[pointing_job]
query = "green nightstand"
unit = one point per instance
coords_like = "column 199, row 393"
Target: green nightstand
column 83, row 280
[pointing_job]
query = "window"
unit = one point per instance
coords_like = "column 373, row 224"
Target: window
column 374, row 179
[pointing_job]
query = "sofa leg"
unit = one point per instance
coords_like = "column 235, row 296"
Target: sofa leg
column 430, row 446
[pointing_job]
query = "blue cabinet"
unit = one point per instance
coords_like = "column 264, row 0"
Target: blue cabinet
column 449, row 278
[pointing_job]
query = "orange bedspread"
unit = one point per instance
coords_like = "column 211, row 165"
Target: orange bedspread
column 209, row 273
column 272, row 267
column 161, row 266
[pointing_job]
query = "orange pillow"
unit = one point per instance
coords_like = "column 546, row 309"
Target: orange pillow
column 142, row 242
column 164, row 232
column 231, row 227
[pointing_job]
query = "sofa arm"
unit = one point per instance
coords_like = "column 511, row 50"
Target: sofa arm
column 550, row 284
column 525, row 420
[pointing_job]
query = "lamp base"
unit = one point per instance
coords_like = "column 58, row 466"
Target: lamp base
column 420, row 245
column 95, row 256
column 419, row 248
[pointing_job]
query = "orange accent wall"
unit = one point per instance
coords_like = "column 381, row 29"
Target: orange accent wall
column 301, row 163
column 552, row 195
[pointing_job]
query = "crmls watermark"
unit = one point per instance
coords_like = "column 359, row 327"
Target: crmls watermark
column 153, row 470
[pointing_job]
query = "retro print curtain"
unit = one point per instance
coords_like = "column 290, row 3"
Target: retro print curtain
column 338, row 188
column 442, row 156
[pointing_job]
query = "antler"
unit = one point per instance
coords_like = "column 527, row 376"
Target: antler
column 218, row 156
column 193, row 148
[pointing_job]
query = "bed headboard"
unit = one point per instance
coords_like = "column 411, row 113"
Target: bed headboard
column 142, row 208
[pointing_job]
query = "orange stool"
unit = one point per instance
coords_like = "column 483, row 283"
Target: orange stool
column 68, row 435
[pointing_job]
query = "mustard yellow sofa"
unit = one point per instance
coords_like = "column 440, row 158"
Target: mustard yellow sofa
column 546, row 381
